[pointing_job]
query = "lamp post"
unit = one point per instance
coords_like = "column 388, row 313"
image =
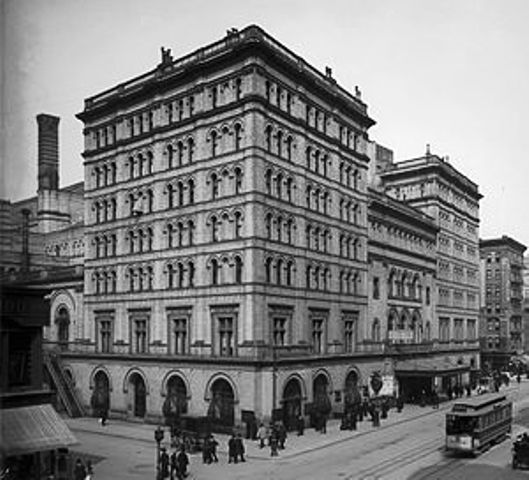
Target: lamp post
column 274, row 380
column 158, row 437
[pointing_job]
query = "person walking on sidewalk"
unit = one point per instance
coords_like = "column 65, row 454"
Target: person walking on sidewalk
column 79, row 471
column 239, row 448
column 182, row 462
column 232, row 449
column 282, row 435
column 262, row 435
column 273, row 443
column 213, row 444
column 301, row 425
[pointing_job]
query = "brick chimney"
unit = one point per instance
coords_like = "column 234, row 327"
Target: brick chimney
column 50, row 212
column 48, row 152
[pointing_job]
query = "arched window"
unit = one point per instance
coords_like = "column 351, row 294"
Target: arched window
column 279, row 185
column 238, row 180
column 180, row 233
column 214, row 229
column 289, row 273
column 268, row 270
column 238, row 270
column 238, row 89
column 191, row 274
column 150, row 200
column 214, row 186
column 170, row 236
column 214, row 143
column 308, row 276
column 170, row 276
column 148, row 161
column 279, row 139
column 190, row 150
column 289, row 147
column 190, row 232
column 237, row 224
column 238, row 137
column 268, row 138
column 279, row 229
column 180, row 275
column 308, row 154
column 290, row 227
column 268, row 225
column 268, row 182
column 191, row 188
column 308, row 197
column 279, row 271
column 375, row 330
column 317, row 161
column 214, row 272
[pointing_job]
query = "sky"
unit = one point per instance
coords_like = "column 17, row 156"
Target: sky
column 449, row 73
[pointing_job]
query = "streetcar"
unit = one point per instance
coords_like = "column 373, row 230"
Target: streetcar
column 474, row 424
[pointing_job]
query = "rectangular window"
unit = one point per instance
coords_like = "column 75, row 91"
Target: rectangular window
column 105, row 336
column 179, row 340
column 279, row 331
column 349, row 335
column 226, row 336
column 444, row 329
column 318, row 339
column 140, row 336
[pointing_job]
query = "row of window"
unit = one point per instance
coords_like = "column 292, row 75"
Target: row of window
column 222, row 271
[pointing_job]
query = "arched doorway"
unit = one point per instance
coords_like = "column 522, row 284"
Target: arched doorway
column 138, row 394
column 175, row 401
column 352, row 392
column 221, row 407
column 291, row 403
column 62, row 320
column 100, row 400
column 321, row 403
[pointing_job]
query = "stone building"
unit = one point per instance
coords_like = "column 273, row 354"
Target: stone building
column 502, row 329
column 226, row 235
column 433, row 186
column 244, row 247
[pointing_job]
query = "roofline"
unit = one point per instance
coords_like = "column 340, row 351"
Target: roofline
column 502, row 241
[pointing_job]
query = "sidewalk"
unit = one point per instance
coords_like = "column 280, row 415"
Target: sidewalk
column 295, row 445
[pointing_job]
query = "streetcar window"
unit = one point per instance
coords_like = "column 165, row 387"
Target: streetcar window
column 456, row 425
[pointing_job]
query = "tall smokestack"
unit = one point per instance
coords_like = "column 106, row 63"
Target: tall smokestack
column 48, row 151
column 25, row 239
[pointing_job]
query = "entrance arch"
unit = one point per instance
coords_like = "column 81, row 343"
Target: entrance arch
column 352, row 392
column 175, row 403
column 100, row 400
column 222, row 404
column 292, row 403
column 321, row 400
column 62, row 321
column 138, row 395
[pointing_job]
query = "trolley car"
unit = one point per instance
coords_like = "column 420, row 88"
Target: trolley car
column 474, row 424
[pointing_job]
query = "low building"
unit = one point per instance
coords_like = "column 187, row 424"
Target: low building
column 31, row 430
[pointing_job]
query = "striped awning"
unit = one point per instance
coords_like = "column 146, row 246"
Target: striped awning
column 32, row 429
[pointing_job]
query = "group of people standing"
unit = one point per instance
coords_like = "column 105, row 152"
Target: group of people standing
column 275, row 436
column 173, row 466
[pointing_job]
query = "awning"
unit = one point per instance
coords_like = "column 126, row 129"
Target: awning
column 33, row 429
column 428, row 367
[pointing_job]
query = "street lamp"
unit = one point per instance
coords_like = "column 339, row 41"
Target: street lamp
column 158, row 437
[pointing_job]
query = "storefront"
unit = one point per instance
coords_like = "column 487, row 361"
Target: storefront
column 419, row 379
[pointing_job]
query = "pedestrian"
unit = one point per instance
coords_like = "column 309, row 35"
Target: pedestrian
column 213, row 444
column 206, row 451
column 518, row 378
column 182, row 462
column 79, row 471
column 435, row 399
column 469, row 389
column 239, row 448
column 400, row 403
column 262, row 435
column 323, row 423
column 104, row 417
column 301, row 425
column 174, row 465
column 232, row 449
column 282, row 435
column 273, row 443
column 164, row 464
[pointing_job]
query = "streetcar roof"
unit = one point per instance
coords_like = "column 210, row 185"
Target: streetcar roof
column 478, row 405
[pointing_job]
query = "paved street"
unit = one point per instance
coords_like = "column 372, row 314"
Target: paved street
column 407, row 446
